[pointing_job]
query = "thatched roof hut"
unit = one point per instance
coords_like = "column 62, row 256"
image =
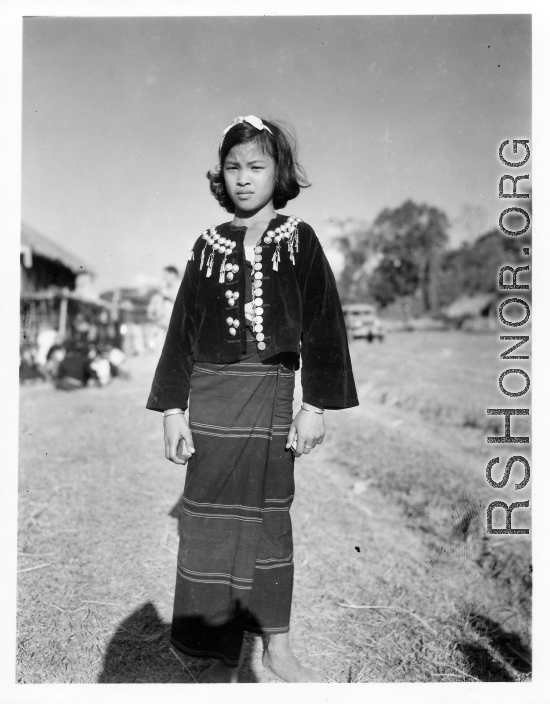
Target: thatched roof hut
column 465, row 306
column 46, row 265
column 53, row 288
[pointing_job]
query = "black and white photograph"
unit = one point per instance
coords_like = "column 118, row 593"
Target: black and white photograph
column 273, row 419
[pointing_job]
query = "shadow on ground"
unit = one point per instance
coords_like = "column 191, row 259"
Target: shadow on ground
column 176, row 511
column 140, row 652
column 488, row 658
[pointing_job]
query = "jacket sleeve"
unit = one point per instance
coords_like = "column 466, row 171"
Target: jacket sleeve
column 327, row 377
column 170, row 388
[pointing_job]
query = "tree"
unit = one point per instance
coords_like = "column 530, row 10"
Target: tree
column 410, row 239
column 393, row 278
column 474, row 267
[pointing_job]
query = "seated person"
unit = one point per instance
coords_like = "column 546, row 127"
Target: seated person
column 74, row 370
column 28, row 367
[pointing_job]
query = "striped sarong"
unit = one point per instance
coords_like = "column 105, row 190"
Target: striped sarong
column 235, row 568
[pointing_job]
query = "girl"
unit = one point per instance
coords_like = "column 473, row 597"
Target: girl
column 257, row 294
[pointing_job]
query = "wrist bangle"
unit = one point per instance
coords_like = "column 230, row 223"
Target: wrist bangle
column 173, row 412
column 318, row 411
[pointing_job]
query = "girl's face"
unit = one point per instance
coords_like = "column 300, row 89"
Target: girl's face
column 249, row 175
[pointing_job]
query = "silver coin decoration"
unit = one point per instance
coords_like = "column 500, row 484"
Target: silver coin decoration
column 286, row 232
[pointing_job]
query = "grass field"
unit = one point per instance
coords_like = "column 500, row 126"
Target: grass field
column 396, row 580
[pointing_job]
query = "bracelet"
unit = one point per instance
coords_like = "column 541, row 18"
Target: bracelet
column 318, row 411
column 173, row 412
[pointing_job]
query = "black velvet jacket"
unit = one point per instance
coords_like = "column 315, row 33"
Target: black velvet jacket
column 301, row 314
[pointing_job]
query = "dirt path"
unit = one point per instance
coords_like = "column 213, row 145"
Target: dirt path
column 98, row 533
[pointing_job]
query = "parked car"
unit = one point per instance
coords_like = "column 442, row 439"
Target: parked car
column 362, row 321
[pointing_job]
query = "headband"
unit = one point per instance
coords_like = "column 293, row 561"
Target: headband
column 252, row 120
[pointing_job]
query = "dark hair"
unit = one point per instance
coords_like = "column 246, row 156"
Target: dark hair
column 290, row 177
column 171, row 270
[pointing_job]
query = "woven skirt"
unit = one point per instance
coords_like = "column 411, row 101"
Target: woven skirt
column 235, row 567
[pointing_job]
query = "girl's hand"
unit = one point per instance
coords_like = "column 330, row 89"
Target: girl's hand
column 175, row 430
column 307, row 429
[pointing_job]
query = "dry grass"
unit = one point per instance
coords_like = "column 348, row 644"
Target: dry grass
column 373, row 524
column 435, row 473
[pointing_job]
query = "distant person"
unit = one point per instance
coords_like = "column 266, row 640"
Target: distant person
column 81, row 329
column 74, row 370
column 170, row 286
column 134, row 338
column 56, row 354
column 29, row 369
column 117, row 358
column 161, row 304
column 45, row 340
column 100, row 365
column 257, row 292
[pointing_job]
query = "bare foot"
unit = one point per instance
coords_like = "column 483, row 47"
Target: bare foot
column 219, row 672
column 286, row 665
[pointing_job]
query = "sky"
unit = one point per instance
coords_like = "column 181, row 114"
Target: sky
column 122, row 118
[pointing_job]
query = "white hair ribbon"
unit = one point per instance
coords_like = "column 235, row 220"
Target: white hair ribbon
column 252, row 120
